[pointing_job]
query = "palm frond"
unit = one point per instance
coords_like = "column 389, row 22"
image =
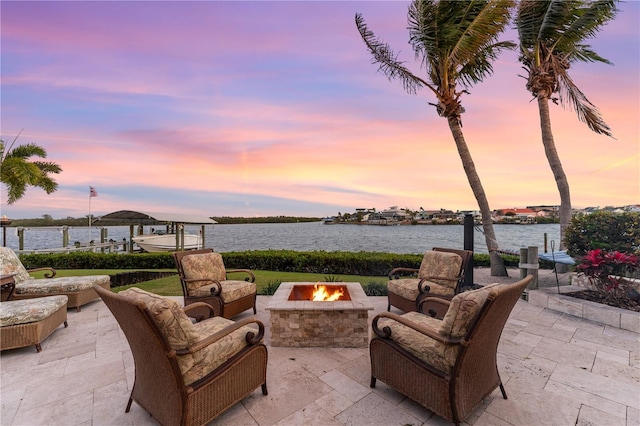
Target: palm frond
column 588, row 19
column 27, row 150
column 457, row 40
column 49, row 185
column 387, row 61
column 528, row 21
column 585, row 110
column 3, row 151
column 478, row 37
column 48, row 166
column 555, row 18
column 583, row 53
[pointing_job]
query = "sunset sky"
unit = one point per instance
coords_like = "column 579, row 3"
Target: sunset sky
column 274, row 108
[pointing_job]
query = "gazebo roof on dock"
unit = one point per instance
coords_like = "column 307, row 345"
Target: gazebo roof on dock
column 152, row 218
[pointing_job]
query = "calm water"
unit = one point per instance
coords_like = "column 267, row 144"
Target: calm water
column 317, row 236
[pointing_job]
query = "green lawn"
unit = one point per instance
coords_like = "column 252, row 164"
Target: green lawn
column 170, row 286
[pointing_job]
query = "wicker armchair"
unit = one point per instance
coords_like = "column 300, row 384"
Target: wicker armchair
column 185, row 373
column 441, row 274
column 449, row 365
column 204, row 279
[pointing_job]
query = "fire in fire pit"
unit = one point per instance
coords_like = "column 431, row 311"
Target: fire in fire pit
column 319, row 292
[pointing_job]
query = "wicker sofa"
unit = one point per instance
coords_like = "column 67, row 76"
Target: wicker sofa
column 29, row 322
column 79, row 290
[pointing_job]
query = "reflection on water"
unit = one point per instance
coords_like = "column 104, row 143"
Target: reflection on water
column 316, row 236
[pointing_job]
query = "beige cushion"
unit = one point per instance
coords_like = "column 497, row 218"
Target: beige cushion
column 26, row 311
column 217, row 353
column 434, row 264
column 441, row 264
column 422, row 347
column 207, row 267
column 62, row 284
column 462, row 311
column 231, row 290
column 175, row 325
column 408, row 288
column 10, row 264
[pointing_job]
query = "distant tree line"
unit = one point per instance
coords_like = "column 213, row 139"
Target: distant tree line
column 264, row 219
column 47, row 220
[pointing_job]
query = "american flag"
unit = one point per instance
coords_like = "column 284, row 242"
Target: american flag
column 92, row 192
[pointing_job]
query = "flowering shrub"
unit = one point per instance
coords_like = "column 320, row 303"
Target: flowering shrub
column 608, row 272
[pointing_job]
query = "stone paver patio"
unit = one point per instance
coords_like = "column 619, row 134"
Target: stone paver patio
column 557, row 369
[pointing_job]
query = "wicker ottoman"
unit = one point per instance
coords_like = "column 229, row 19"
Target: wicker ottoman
column 30, row 321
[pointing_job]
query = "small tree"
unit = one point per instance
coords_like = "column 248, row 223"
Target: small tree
column 18, row 171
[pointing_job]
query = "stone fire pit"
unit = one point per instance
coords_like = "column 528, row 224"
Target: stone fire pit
column 306, row 323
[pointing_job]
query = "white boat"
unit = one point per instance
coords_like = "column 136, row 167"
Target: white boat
column 167, row 242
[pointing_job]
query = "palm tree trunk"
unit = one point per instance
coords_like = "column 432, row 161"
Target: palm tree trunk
column 556, row 166
column 497, row 264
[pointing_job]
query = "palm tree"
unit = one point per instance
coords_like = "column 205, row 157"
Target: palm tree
column 17, row 171
column 456, row 42
column 552, row 34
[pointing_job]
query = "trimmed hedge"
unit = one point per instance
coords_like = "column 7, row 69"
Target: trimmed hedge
column 321, row 262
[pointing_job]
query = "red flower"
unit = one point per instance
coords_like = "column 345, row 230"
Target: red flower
column 592, row 259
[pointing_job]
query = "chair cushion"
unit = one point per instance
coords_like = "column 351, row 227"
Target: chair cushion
column 404, row 287
column 463, row 310
column 61, row 285
column 26, row 311
column 408, row 288
column 217, row 353
column 231, row 290
column 441, row 264
column 422, row 347
column 10, row 264
column 174, row 324
column 203, row 266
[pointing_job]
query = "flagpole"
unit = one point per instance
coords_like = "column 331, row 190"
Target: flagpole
column 90, row 196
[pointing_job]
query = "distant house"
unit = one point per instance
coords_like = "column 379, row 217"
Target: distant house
column 516, row 215
column 393, row 213
column 440, row 216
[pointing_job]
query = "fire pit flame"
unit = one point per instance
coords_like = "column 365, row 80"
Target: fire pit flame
column 322, row 294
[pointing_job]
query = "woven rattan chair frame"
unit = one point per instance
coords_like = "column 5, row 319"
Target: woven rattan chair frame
column 159, row 387
column 455, row 394
column 220, row 307
column 409, row 305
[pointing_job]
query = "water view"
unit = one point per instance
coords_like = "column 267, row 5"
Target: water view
column 315, row 236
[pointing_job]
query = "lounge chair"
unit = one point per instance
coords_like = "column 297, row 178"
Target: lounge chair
column 448, row 366
column 79, row 289
column 185, row 373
